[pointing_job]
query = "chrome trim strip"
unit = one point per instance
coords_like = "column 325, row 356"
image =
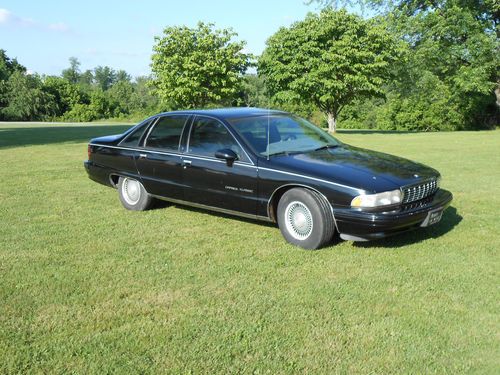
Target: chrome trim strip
column 241, row 163
column 151, row 126
column 211, row 208
column 360, row 191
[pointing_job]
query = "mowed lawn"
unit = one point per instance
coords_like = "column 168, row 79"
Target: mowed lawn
column 88, row 287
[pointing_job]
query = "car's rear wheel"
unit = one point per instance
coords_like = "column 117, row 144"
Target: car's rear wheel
column 305, row 218
column 133, row 195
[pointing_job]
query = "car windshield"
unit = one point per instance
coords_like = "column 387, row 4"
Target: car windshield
column 282, row 134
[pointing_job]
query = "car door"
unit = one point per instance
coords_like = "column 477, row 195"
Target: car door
column 212, row 182
column 159, row 160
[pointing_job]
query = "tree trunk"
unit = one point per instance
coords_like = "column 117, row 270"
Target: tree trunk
column 332, row 122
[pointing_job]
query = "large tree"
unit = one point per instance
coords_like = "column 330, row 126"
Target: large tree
column 194, row 67
column 453, row 55
column 72, row 74
column 27, row 100
column 329, row 59
column 104, row 77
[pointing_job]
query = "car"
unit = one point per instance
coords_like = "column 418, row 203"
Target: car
column 268, row 165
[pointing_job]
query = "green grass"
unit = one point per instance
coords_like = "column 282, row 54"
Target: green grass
column 88, row 287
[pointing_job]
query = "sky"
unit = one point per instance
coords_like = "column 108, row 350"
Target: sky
column 43, row 35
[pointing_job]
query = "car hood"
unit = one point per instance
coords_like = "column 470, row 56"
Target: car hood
column 368, row 170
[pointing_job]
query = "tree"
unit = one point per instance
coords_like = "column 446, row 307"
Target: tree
column 86, row 79
column 26, row 99
column 72, row 74
column 329, row 59
column 143, row 100
column 9, row 66
column 196, row 67
column 254, row 92
column 121, row 94
column 122, row 76
column 66, row 95
column 104, row 77
column 454, row 43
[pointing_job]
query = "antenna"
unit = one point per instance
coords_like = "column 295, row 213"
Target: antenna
column 268, row 126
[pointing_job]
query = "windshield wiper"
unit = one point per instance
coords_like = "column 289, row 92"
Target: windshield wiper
column 325, row 147
column 286, row 153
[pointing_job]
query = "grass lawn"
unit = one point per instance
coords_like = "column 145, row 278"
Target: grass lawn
column 88, row 287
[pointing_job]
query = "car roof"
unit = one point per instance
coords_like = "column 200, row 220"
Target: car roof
column 226, row 113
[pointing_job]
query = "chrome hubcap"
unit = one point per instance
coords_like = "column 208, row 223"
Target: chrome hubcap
column 299, row 221
column 131, row 190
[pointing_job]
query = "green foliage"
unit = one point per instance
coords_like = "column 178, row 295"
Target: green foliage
column 450, row 71
column 66, row 94
column 253, row 92
column 197, row 67
column 26, row 100
column 329, row 59
column 8, row 66
column 72, row 74
column 104, row 77
column 442, row 74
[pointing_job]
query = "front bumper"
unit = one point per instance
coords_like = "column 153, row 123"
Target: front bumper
column 363, row 226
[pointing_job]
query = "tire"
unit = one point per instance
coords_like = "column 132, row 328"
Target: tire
column 133, row 195
column 305, row 218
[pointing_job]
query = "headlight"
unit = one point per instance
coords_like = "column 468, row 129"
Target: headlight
column 376, row 200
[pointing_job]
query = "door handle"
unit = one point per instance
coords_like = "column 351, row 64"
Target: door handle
column 186, row 163
column 143, row 156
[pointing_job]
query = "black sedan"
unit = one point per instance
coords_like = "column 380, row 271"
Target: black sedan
column 268, row 165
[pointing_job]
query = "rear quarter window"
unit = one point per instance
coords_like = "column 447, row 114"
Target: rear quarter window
column 132, row 139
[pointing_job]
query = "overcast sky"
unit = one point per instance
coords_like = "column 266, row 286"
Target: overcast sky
column 44, row 34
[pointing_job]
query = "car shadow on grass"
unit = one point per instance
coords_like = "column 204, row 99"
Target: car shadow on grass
column 448, row 222
column 44, row 135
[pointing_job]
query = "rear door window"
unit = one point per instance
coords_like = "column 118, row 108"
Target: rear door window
column 166, row 133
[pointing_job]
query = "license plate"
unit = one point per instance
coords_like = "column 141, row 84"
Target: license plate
column 433, row 217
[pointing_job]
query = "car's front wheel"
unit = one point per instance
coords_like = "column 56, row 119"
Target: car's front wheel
column 133, row 195
column 305, row 218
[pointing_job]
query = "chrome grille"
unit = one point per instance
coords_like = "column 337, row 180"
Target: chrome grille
column 417, row 192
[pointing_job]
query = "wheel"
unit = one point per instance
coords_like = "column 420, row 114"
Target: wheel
column 305, row 218
column 133, row 195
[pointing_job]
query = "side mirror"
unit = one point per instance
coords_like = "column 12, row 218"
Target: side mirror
column 228, row 155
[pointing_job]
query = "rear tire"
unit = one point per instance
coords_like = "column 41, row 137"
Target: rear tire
column 133, row 195
column 305, row 218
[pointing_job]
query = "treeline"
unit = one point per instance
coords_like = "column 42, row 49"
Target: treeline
column 417, row 65
column 100, row 93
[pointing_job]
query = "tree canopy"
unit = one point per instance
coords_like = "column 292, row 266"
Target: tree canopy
column 329, row 59
column 420, row 65
column 193, row 67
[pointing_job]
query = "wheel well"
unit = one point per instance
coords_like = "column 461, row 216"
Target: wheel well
column 276, row 196
column 278, row 193
column 113, row 178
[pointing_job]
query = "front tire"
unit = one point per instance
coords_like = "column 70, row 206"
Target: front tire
column 305, row 218
column 133, row 195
